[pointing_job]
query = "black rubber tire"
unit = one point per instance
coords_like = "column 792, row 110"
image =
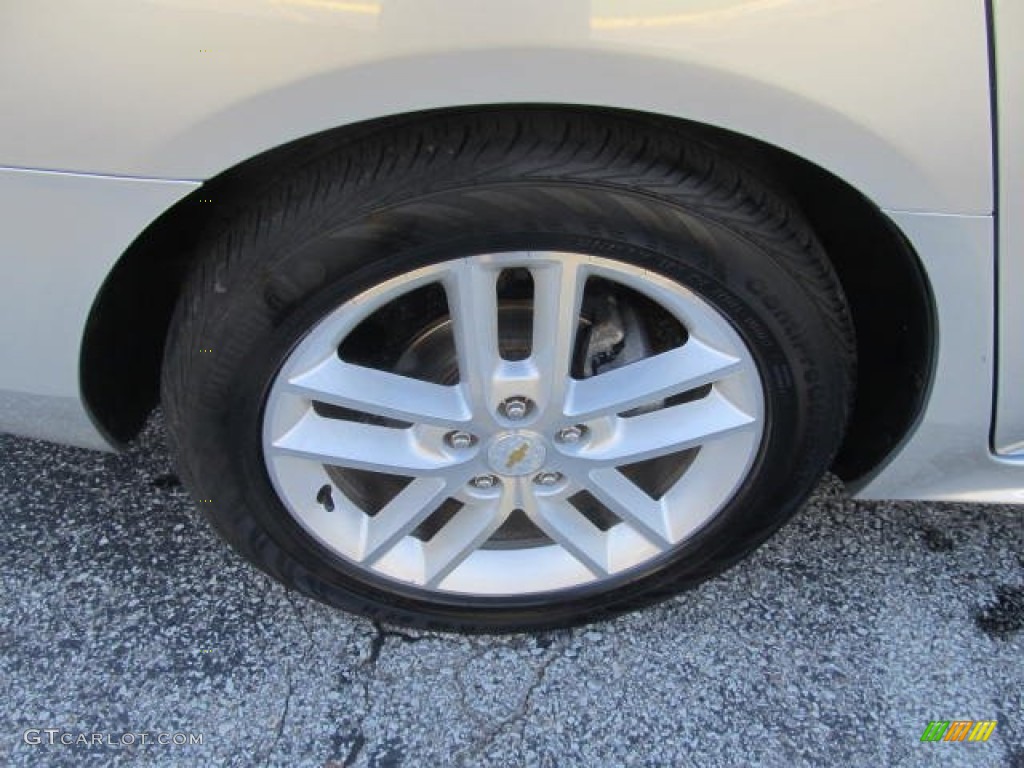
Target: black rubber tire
column 439, row 187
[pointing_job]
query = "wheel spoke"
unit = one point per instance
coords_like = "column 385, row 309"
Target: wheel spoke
column 401, row 516
column 631, row 505
column 669, row 430
column 471, row 287
column 646, row 381
column 469, row 528
column 557, row 298
column 571, row 530
column 380, row 393
column 359, row 446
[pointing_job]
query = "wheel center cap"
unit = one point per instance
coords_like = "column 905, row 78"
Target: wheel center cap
column 516, row 453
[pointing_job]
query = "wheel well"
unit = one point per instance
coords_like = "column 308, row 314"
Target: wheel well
column 884, row 282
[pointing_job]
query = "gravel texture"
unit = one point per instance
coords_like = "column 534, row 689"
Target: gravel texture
column 834, row 645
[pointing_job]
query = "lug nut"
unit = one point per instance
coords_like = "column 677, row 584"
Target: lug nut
column 547, row 478
column 570, row 434
column 516, row 408
column 483, row 482
column 459, row 439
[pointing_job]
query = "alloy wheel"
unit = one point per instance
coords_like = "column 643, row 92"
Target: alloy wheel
column 545, row 421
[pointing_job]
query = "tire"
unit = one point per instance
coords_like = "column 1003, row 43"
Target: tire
column 475, row 485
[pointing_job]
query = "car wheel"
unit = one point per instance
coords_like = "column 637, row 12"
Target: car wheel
column 507, row 371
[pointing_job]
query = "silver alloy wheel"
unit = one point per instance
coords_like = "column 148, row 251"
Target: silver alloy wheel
column 572, row 438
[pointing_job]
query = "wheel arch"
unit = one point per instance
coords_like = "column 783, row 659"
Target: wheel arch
column 885, row 283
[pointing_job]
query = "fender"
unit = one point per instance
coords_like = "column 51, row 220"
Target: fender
column 866, row 90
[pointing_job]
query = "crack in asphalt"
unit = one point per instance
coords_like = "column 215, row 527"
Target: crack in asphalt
column 353, row 752
column 359, row 740
column 377, row 644
column 302, row 621
column 519, row 715
column 464, row 695
column 283, row 717
column 380, row 637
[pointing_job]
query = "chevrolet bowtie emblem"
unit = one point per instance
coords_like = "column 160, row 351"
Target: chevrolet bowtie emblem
column 517, row 455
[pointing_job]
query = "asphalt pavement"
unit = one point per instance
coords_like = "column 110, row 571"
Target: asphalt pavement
column 127, row 628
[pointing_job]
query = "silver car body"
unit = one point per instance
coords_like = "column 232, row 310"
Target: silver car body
column 113, row 111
